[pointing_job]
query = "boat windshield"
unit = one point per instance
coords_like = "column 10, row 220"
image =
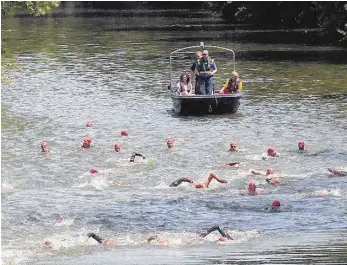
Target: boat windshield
column 182, row 59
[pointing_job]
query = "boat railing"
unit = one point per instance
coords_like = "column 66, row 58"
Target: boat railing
column 202, row 46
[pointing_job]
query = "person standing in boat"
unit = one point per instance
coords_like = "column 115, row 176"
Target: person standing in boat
column 184, row 87
column 233, row 85
column 194, row 77
column 205, row 69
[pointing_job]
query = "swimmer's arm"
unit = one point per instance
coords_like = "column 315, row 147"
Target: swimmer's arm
column 179, row 181
column 96, row 237
column 214, row 228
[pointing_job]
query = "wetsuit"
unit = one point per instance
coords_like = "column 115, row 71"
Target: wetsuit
column 179, row 181
column 221, row 231
column 96, row 237
column 132, row 158
column 338, row 172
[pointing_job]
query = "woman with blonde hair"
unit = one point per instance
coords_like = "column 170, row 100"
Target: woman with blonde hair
column 233, row 85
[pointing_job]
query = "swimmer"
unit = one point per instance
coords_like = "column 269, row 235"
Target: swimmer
column 233, row 147
column 157, row 240
column 132, row 158
column 271, row 152
column 170, row 142
column 89, row 124
column 200, row 185
column 275, row 206
column 301, row 145
column 117, row 148
column 224, row 234
column 339, row 173
column 102, row 241
column 124, row 133
column 44, row 147
column 231, row 165
column 263, row 173
column 86, row 142
column 272, row 181
column 252, row 190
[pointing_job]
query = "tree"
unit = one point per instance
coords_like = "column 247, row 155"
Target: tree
column 35, row 8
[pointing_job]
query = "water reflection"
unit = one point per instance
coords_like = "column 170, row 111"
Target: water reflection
column 79, row 69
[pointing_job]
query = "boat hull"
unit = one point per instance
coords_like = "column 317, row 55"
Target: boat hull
column 200, row 105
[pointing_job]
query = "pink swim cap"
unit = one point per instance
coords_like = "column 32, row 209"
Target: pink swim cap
column 89, row 124
column 116, row 146
column 233, row 144
column 270, row 171
column 222, row 239
column 199, row 186
column 45, row 144
column 251, row 185
column 93, row 171
column 124, row 133
column 271, row 151
column 170, row 140
column 276, row 203
column 276, row 181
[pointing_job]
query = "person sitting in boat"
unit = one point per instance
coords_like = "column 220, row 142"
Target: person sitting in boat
column 200, row 185
column 198, row 55
column 233, row 85
column 184, row 87
column 206, row 68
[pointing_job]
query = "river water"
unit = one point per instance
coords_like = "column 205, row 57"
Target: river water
column 113, row 71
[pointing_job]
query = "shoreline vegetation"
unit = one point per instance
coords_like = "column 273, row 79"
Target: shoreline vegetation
column 328, row 19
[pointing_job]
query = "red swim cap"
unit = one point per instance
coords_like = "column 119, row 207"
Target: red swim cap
column 93, row 170
column 199, row 186
column 89, row 141
column 271, row 151
column 89, row 124
column 270, row 171
column 276, row 181
column 251, row 185
column 116, row 146
column 124, row 133
column 276, row 203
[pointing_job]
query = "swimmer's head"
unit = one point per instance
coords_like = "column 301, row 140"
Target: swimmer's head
column 93, row 171
column 232, row 146
column 276, row 203
column 270, row 171
column 117, row 147
column 199, row 186
column 44, row 147
column 251, row 187
column 155, row 238
column 124, row 133
column 86, row 142
column 271, row 151
column 301, row 145
column 170, row 142
column 89, row 124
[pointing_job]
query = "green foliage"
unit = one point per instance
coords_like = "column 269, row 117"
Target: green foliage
column 35, row 8
column 330, row 16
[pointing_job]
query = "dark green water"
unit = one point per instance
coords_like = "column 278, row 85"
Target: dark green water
column 114, row 71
